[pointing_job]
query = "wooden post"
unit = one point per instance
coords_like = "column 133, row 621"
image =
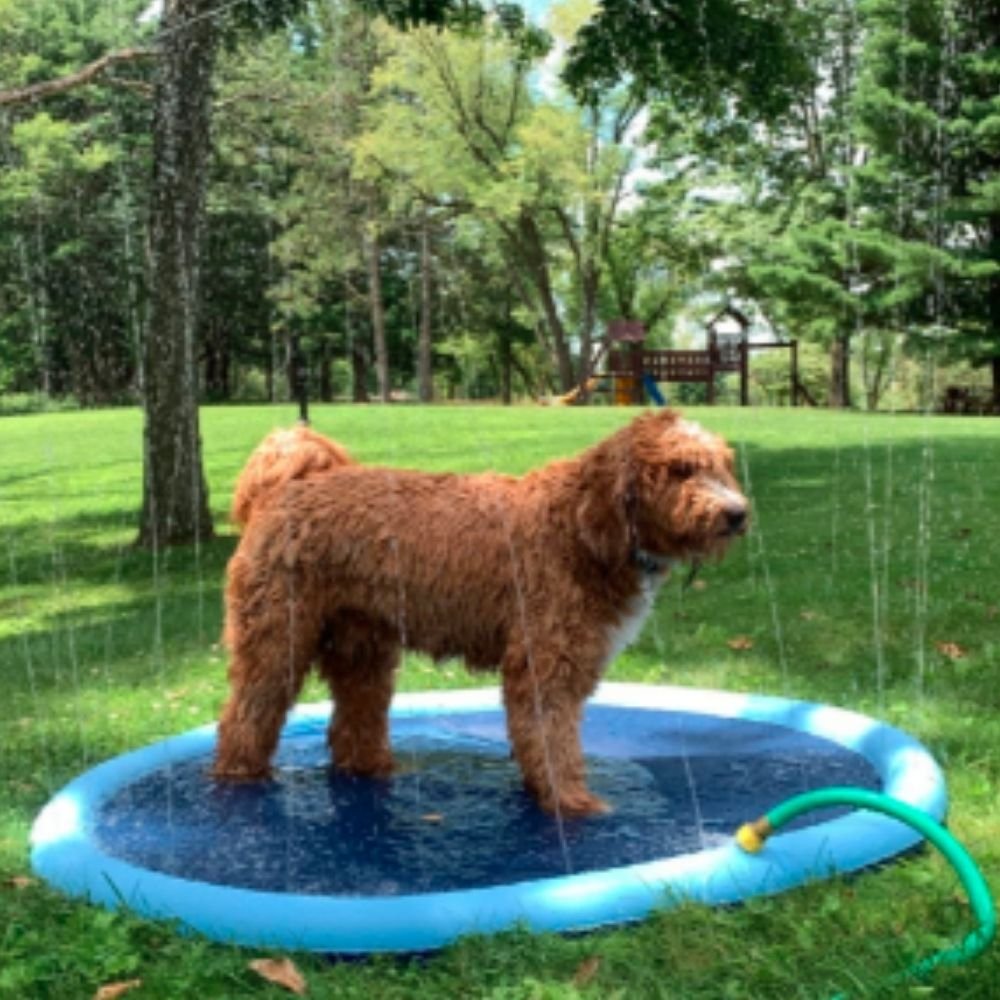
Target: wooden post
column 795, row 373
column 713, row 354
column 638, row 389
column 744, row 372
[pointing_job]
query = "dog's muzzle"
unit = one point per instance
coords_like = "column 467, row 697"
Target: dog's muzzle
column 736, row 518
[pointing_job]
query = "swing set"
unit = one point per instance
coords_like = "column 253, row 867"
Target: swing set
column 634, row 373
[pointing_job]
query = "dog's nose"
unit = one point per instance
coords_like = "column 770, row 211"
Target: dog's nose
column 736, row 519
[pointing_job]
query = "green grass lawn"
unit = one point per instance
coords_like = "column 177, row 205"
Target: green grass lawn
column 869, row 581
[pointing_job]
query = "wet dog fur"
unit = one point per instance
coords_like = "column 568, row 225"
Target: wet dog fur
column 544, row 577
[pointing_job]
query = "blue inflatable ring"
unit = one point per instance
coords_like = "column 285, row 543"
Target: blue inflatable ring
column 453, row 846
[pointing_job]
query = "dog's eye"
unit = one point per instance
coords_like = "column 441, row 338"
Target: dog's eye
column 681, row 470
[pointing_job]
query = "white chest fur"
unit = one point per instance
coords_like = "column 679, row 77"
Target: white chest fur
column 628, row 628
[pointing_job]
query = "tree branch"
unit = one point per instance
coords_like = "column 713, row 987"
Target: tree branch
column 50, row 88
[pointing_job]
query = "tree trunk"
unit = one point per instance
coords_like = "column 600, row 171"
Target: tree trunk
column 217, row 363
column 269, row 377
column 505, row 351
column 425, row 372
column 357, row 353
column 840, row 388
column 372, row 253
column 359, row 372
column 297, row 370
column 994, row 316
column 325, row 391
column 533, row 253
column 591, row 280
column 175, row 496
column 875, row 369
column 35, row 285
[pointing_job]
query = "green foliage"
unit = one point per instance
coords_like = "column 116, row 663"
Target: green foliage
column 832, row 164
column 702, row 51
column 928, row 104
column 851, row 217
column 769, row 375
column 457, row 124
column 72, row 180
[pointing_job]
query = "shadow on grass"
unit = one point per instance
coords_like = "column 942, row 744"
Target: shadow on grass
column 94, row 548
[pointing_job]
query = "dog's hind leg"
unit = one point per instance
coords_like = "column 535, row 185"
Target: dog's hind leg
column 359, row 662
column 544, row 710
column 271, row 649
column 260, row 696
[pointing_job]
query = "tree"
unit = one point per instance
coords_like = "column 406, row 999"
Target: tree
column 457, row 127
column 780, row 196
column 748, row 52
column 425, row 373
column 175, row 495
column 73, row 162
column 759, row 91
column 928, row 106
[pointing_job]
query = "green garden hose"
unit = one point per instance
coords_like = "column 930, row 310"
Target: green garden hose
column 751, row 837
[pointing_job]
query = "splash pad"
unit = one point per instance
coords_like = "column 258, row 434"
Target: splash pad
column 452, row 845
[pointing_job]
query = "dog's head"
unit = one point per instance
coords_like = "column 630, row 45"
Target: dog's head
column 666, row 490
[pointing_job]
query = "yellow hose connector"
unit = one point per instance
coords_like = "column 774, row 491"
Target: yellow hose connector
column 752, row 836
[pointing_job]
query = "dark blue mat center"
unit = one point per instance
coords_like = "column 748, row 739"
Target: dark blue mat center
column 456, row 816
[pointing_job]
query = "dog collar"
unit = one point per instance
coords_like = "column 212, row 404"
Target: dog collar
column 650, row 563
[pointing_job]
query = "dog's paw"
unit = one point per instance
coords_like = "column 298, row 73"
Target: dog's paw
column 240, row 772
column 379, row 766
column 578, row 803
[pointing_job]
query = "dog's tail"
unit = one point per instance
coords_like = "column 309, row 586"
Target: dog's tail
column 283, row 457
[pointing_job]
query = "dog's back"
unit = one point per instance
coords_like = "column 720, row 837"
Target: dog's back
column 423, row 554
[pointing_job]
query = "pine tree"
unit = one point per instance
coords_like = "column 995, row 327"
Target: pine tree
column 929, row 105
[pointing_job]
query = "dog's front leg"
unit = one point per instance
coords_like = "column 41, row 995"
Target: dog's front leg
column 543, row 697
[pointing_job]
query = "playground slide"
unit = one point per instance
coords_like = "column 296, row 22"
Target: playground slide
column 653, row 390
column 569, row 398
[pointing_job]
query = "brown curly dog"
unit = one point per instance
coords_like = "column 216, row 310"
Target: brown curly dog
column 546, row 577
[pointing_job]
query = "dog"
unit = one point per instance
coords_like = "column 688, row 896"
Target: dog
column 545, row 577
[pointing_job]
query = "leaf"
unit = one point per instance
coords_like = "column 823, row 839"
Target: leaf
column 109, row 991
column 951, row 649
column 21, row 882
column 587, row 970
column 809, row 616
column 281, row 972
column 433, row 817
column 699, row 585
column 740, row 643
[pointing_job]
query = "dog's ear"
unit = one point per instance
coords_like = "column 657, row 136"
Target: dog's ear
column 602, row 508
column 604, row 529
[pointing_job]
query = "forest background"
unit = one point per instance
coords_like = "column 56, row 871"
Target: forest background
column 459, row 213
